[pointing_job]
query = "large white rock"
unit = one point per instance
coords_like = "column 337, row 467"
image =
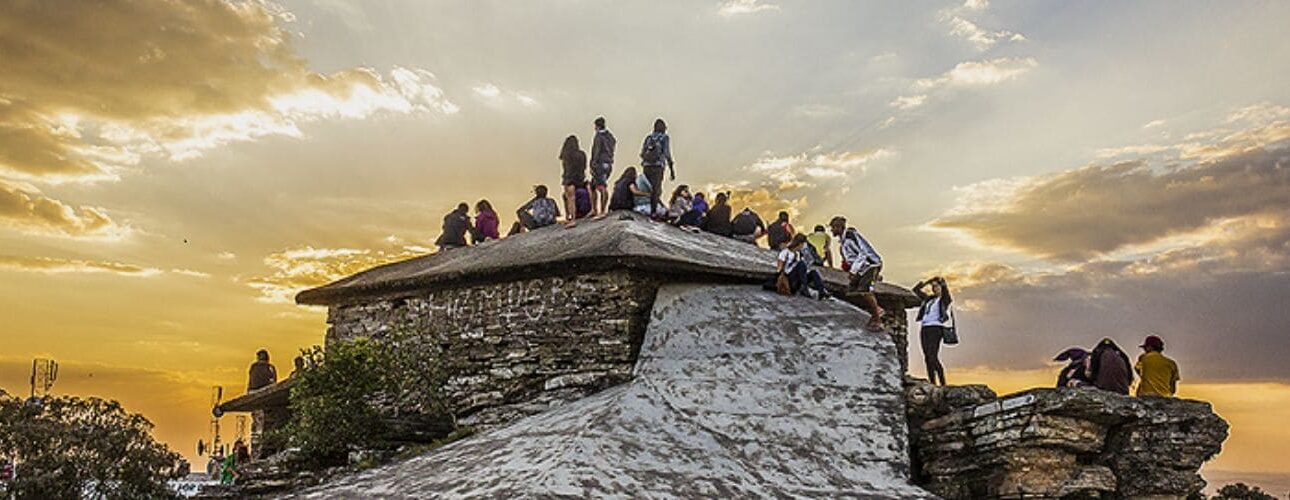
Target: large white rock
column 737, row 393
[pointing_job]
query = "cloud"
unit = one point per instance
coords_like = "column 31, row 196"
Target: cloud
column 976, row 4
column 497, row 96
column 807, row 169
column 730, row 8
column 980, row 38
column 60, row 266
column 964, row 75
column 488, row 91
column 1098, row 209
column 909, row 102
column 766, row 200
column 1153, row 124
column 172, row 79
column 297, row 269
column 24, row 208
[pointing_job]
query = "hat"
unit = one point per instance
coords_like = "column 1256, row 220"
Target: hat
column 1153, row 342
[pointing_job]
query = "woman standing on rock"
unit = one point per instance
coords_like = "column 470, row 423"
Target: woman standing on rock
column 934, row 316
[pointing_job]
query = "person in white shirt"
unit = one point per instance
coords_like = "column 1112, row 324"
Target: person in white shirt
column 864, row 265
column 934, row 316
column 793, row 265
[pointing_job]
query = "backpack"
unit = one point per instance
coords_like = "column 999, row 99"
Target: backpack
column 544, row 211
column 652, row 153
column 810, row 256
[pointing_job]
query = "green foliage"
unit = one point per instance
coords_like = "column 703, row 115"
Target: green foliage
column 69, row 447
column 347, row 394
column 418, row 450
column 1241, row 491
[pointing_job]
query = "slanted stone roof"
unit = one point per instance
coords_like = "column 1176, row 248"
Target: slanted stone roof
column 268, row 396
column 729, row 400
column 623, row 239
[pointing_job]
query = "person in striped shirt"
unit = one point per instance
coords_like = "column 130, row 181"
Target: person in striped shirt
column 862, row 262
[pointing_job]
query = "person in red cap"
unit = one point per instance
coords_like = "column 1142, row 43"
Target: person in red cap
column 1159, row 374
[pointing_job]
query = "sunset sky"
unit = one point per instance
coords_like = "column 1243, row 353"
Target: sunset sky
column 171, row 173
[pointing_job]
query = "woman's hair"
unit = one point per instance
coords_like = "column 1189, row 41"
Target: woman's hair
column 722, row 198
column 798, row 240
column 660, row 126
column 570, row 145
column 483, row 206
column 676, row 193
column 629, row 173
column 699, row 196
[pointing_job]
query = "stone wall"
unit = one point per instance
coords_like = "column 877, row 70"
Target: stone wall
column 516, row 348
column 1059, row 443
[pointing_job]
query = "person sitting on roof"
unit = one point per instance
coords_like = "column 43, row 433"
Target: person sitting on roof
column 747, row 226
column 621, row 198
column 863, row 263
column 539, row 211
column 680, row 204
column 455, row 226
column 262, row 373
column 1075, row 374
column 793, row 265
column 1109, row 369
column 700, row 203
column 1159, row 374
column 717, row 220
column 582, row 202
column 780, row 232
column 642, row 196
column 820, row 241
column 486, row 222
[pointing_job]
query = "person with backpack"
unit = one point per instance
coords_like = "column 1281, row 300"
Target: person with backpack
column 1159, row 374
column 717, row 220
column 486, row 222
column 780, row 232
column 864, row 265
column 934, row 316
column 796, row 268
column 656, row 153
column 820, row 241
column 574, row 165
column 539, row 211
column 602, row 164
column 622, row 196
column 1075, row 374
column 747, row 226
column 1109, row 368
column 455, row 226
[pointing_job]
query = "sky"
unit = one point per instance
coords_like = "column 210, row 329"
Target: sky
column 171, row 173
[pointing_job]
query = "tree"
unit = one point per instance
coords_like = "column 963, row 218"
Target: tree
column 69, row 447
column 1241, row 491
column 348, row 394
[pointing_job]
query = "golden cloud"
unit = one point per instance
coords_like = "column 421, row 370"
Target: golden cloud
column 58, row 266
column 26, row 209
column 297, row 269
column 92, row 86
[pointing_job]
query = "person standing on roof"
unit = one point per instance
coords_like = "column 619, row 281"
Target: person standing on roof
column 1109, row 368
column 864, row 265
column 1158, row 373
column 934, row 316
column 602, row 165
column 780, row 232
column 656, row 153
column 820, row 241
column 262, row 373
column 574, row 173
column 747, row 226
column 455, row 226
column 539, row 211
column 717, row 220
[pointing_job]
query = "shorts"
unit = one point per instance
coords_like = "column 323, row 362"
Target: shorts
column 573, row 180
column 600, row 174
column 863, row 282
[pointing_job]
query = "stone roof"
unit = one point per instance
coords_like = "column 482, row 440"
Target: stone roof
column 624, row 239
column 728, row 400
column 268, row 396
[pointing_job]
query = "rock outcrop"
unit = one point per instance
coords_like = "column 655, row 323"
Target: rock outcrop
column 1059, row 443
column 730, row 398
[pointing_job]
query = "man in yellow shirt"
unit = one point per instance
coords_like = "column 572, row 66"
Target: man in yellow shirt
column 1158, row 374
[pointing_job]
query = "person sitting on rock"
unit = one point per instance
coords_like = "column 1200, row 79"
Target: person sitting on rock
column 1109, row 368
column 539, row 211
column 486, row 222
column 262, row 373
column 820, row 241
column 747, row 226
column 455, row 226
column 680, row 204
column 864, row 265
column 1158, row 374
column 790, row 264
column 780, row 232
column 717, row 220
column 621, row 198
column 582, row 202
column 934, row 316
column 642, row 198
column 1075, row 374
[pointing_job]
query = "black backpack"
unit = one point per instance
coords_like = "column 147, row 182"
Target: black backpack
column 653, row 151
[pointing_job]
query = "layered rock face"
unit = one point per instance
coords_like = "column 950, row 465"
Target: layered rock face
column 1059, row 443
column 738, row 393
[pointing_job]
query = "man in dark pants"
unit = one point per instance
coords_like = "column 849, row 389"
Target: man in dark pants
column 656, row 153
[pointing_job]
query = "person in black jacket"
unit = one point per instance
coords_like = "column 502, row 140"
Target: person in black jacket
column 718, row 218
column 574, row 173
column 455, row 226
column 1109, row 368
column 621, row 198
column 934, row 316
column 1074, row 375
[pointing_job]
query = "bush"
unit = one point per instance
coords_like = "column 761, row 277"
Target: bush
column 347, row 395
column 69, row 447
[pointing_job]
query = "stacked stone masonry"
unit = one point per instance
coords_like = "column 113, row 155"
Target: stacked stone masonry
column 517, row 348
